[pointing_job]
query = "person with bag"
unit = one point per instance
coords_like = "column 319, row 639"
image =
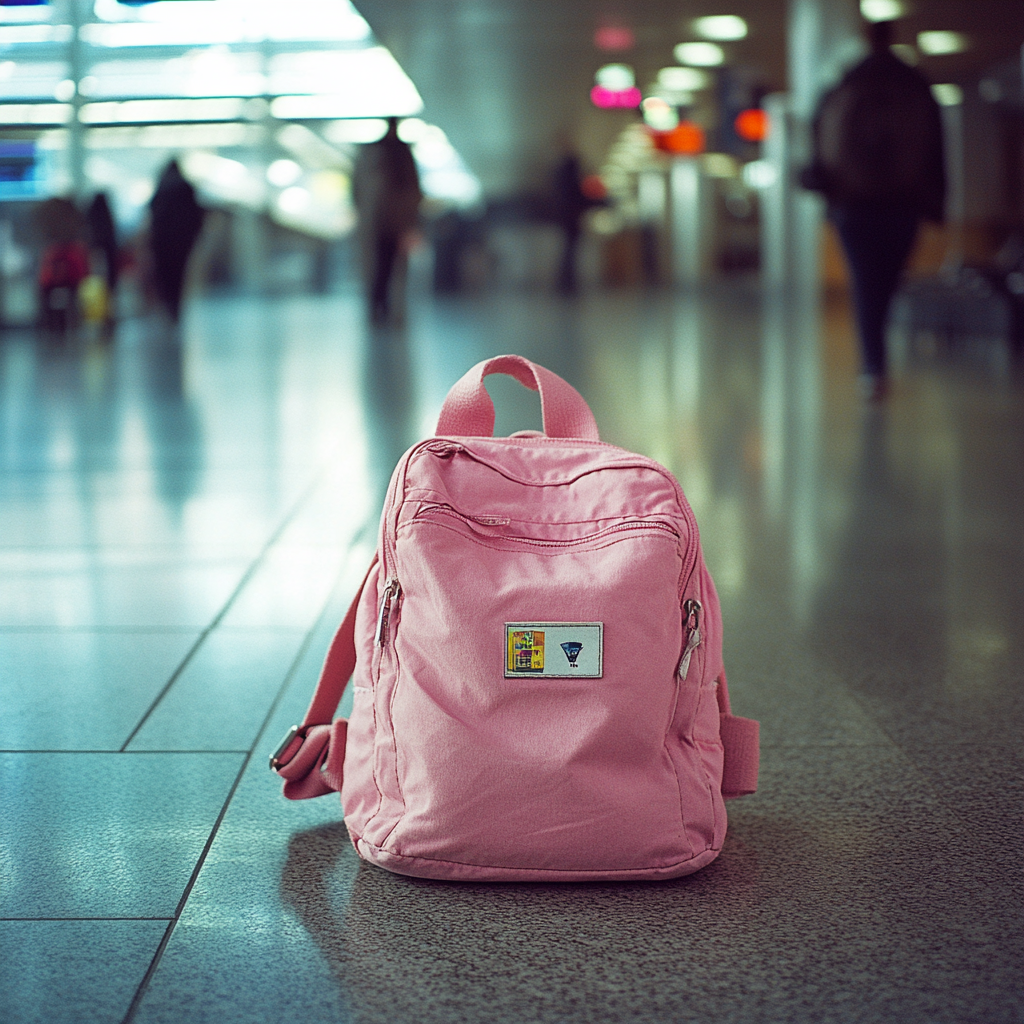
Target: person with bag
column 175, row 222
column 878, row 161
column 386, row 190
column 536, row 655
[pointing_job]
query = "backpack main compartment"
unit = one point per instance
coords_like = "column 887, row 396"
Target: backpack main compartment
column 455, row 769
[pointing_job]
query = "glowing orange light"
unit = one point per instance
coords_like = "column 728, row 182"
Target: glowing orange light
column 752, row 125
column 686, row 139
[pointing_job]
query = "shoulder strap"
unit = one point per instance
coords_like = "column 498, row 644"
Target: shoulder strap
column 312, row 755
column 741, row 739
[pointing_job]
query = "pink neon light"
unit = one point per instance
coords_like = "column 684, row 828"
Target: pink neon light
column 613, row 37
column 608, row 98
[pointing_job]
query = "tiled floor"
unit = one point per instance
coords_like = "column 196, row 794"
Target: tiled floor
column 182, row 524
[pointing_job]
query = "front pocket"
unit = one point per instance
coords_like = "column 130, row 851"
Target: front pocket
column 557, row 773
column 540, row 534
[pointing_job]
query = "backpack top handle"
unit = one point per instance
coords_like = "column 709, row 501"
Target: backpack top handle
column 469, row 412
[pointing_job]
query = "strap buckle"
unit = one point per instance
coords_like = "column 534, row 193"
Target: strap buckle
column 275, row 757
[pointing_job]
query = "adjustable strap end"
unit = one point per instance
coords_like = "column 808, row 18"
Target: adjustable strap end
column 310, row 759
column 742, row 743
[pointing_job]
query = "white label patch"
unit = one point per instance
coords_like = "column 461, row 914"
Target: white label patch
column 554, row 650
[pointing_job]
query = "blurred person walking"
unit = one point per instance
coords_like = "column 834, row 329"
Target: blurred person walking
column 64, row 264
column 387, row 194
column 569, row 204
column 103, row 242
column 175, row 221
column 878, row 161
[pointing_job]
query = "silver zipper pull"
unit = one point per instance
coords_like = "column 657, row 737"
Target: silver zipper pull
column 691, row 611
column 391, row 591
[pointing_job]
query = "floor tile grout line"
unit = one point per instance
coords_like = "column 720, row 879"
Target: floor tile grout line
column 242, row 583
column 5, row 920
column 208, row 845
column 115, row 750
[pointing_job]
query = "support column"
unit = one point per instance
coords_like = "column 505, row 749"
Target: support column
column 689, row 222
column 824, row 39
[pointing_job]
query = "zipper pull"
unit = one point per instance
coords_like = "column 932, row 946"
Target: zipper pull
column 691, row 611
column 391, row 591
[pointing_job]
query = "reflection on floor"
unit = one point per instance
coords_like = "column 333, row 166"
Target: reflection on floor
column 182, row 522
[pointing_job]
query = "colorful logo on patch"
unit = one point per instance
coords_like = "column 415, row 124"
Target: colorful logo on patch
column 572, row 651
column 526, row 651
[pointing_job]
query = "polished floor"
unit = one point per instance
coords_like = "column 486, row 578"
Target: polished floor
column 183, row 519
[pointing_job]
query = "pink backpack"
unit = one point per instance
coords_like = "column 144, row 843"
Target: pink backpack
column 536, row 653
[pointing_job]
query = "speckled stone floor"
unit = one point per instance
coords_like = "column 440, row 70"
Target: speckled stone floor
column 183, row 520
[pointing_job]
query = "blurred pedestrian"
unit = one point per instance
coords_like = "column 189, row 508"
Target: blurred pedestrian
column 64, row 264
column 175, row 221
column 569, row 202
column 387, row 194
column 878, row 160
column 103, row 242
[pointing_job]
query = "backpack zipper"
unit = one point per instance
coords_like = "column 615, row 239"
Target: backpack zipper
column 691, row 613
column 391, row 591
column 489, row 520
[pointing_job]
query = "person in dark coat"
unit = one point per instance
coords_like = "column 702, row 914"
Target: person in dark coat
column 175, row 221
column 569, row 205
column 103, row 239
column 878, row 160
column 387, row 194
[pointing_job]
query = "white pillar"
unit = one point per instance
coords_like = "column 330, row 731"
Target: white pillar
column 690, row 221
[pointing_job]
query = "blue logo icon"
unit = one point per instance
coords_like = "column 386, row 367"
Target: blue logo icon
column 572, row 651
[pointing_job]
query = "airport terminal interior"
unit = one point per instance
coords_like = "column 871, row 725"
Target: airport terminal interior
column 189, row 502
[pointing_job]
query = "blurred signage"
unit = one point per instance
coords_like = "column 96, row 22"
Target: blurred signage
column 19, row 170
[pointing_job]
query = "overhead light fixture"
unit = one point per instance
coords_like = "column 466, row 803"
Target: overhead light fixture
column 701, row 55
column 882, row 10
column 720, row 165
column 722, row 27
column 616, row 87
column 140, row 111
column 615, row 77
column 366, row 129
column 683, row 79
column 759, row 174
column 937, row 44
column 659, row 114
column 35, row 113
column 614, row 37
column 751, row 125
column 948, row 94
column 283, row 173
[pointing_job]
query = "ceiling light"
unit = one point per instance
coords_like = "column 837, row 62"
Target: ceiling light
column 882, row 10
column 759, row 174
column 659, row 114
column 682, row 79
column 363, row 129
column 720, row 165
column 720, row 26
column 614, row 37
column 615, row 77
column 701, row 55
column 938, row 43
column 294, row 199
column 283, row 173
column 948, row 94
